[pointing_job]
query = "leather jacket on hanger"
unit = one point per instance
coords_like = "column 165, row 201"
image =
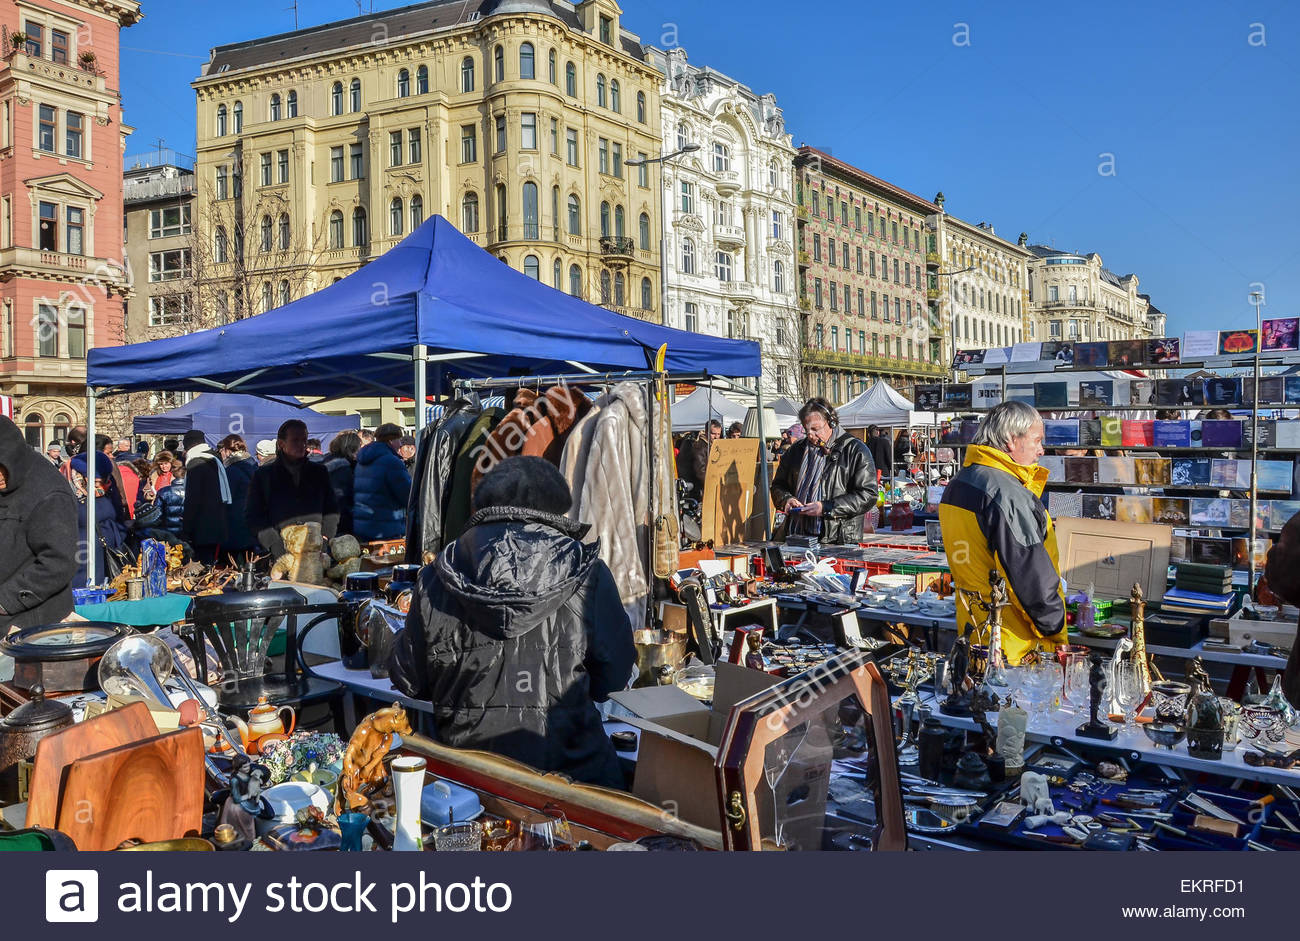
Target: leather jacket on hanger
column 431, row 481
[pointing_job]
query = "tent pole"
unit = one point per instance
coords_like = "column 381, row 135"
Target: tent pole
column 89, row 451
column 421, row 357
column 762, row 456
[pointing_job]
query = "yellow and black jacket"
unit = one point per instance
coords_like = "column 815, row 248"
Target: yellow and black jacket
column 992, row 516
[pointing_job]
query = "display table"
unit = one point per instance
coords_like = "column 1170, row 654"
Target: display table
column 1233, row 658
column 147, row 612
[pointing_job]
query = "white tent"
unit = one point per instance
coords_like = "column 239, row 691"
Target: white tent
column 879, row 405
column 787, row 411
column 691, row 413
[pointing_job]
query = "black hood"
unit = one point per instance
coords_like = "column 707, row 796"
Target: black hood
column 513, row 568
column 14, row 455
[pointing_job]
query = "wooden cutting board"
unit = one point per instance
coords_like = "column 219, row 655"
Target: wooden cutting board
column 55, row 752
column 150, row 790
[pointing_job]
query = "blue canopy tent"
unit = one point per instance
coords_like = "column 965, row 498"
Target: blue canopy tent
column 218, row 414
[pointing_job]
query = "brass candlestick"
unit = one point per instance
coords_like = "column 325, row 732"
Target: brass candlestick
column 1139, row 635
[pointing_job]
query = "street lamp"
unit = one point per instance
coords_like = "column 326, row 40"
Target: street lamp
column 1256, row 298
column 663, row 223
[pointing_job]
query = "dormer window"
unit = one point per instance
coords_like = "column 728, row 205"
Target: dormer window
column 607, row 30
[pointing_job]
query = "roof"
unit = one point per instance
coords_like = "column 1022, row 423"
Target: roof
column 401, row 24
column 984, row 232
column 865, row 179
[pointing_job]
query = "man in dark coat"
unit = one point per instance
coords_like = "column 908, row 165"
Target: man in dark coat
column 381, row 488
column 517, row 628
column 289, row 490
column 827, row 479
column 882, row 454
column 38, row 536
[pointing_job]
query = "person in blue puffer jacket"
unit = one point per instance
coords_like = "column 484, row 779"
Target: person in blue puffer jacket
column 172, row 501
column 381, row 486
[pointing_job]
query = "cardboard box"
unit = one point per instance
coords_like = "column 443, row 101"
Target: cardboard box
column 679, row 741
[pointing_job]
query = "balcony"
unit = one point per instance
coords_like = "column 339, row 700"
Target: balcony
column 739, row 290
column 933, row 294
column 638, row 313
column 932, row 261
column 732, row 235
column 39, row 69
column 727, row 182
column 23, row 262
column 617, row 247
column 801, row 213
column 805, row 303
column 804, row 260
column 1077, row 305
column 871, row 363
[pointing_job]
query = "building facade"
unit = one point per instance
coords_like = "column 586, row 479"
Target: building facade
column 1074, row 297
column 318, row 150
column 158, row 203
column 62, row 274
column 729, row 260
column 862, row 290
column 977, row 283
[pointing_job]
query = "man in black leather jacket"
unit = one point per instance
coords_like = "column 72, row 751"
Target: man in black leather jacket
column 826, row 482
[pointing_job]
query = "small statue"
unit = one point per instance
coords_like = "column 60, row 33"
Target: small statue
column 1096, row 726
column 363, row 761
column 245, row 803
column 995, row 673
column 1139, row 635
column 1204, row 717
column 958, row 701
column 754, row 656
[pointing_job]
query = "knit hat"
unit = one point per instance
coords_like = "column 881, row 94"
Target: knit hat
column 266, row 448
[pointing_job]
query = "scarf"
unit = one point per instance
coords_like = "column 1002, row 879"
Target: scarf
column 201, row 452
column 809, row 488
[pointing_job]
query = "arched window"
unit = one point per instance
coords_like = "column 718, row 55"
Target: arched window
column 615, row 96
column 469, row 213
column 467, row 73
column 221, row 246
column 620, row 290
column 422, row 80
column 557, row 275
column 499, row 64
column 285, row 293
column 526, row 67
column 571, row 80
column 532, row 226
column 275, row 106
column 336, row 98
column 221, row 120
column 551, row 74
column 266, row 234
column 533, row 267
column 600, row 91
column 354, row 94
column 395, row 216
column 359, row 235
column 605, row 291
column 604, row 219
column 575, row 215
column 723, row 264
column 647, row 294
column 773, row 175
column 619, row 226
column 291, row 108
column 403, row 84
column 62, row 425
column 34, row 431
column 688, row 256
column 238, row 115
column 640, row 106
column 778, row 278
column 683, row 135
column 417, row 211
column 575, row 280
column 284, row 232
column 643, row 232
column 266, row 296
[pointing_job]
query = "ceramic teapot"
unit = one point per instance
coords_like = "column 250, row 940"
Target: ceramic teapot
column 264, row 719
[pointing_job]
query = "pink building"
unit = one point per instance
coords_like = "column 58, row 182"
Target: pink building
column 62, row 274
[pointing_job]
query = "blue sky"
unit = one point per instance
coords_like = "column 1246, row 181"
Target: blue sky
column 1009, row 109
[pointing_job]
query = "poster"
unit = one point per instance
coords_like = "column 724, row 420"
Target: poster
column 1237, row 342
column 1200, row 344
column 1282, row 334
column 1163, row 351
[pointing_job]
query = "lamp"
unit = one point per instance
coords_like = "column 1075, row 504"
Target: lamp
column 751, row 429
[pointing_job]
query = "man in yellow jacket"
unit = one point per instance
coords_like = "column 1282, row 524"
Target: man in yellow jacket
column 993, row 517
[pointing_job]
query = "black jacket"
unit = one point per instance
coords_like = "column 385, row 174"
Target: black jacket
column 426, row 508
column 38, row 536
column 882, row 453
column 848, row 486
column 515, row 629
column 341, row 471
column 276, row 500
column 205, row 519
column 239, row 538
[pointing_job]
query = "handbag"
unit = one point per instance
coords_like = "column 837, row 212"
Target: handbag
column 115, row 560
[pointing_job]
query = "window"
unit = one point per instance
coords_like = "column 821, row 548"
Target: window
column 168, row 310
column 169, row 266
column 501, row 134
column 526, row 67
column 844, row 256
column 831, row 255
column 555, row 137
column 467, row 74
column 1074, row 290
column 619, row 227
column 47, row 130
column 75, row 244
column 221, row 120
column 73, row 134
column 898, row 310
column 643, row 170
column 286, row 295
column 394, row 148
column 820, row 334
column 422, row 80
column 834, row 289
column 528, row 131
column 1053, row 293
column 615, row 96
column 688, row 196
column 35, row 39
column 265, row 162
column 532, row 215
column 607, row 30
column 47, row 330
column 816, row 205
column 571, row 147
column 469, row 213
column 778, row 224
column 555, row 213
column 417, row 211
column 575, row 280
column 620, row 290
column 237, row 115
column 267, row 234
column 643, row 231
column 354, row 95
column 721, row 157
column 266, row 296
column 835, row 332
column 359, row 234
column 336, row 98
column 499, row 64
column 413, row 143
column 500, row 199
column 773, row 175
column 575, row 215
column 291, row 105
column 282, row 165
column 858, row 268
column 533, row 267
column 165, row 223
column 906, row 233
column 570, row 80
column 896, row 281
column 468, row 143
column 605, row 291
column 688, row 257
column 722, row 266
column 403, row 84
column 604, row 219
column 221, row 182
column 358, row 162
column 692, row 320
column 683, row 135
column 336, row 164
column 875, row 313
column 275, row 106
column 893, row 228
column 557, row 275
column 778, row 277
column 551, row 75
column 647, row 294
column 862, row 302
column 640, row 107
column 817, row 247
column 600, row 91
column 396, row 216
column 616, row 156
column 221, row 246
column 283, row 233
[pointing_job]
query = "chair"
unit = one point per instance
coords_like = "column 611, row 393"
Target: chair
column 240, row 626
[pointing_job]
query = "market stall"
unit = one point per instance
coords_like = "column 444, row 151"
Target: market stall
column 253, row 417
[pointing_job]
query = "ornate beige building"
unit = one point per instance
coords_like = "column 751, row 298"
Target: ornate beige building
column 318, row 150
column 1074, row 297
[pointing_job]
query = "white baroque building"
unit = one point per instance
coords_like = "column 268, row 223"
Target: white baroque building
column 729, row 215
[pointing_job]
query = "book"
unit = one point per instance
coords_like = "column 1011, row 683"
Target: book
column 1163, row 351
column 1065, row 504
column 1189, row 472
column 1118, row 470
column 1177, row 548
column 957, row 396
column 1212, row 586
column 1026, row 352
column 1179, row 392
column 1092, row 354
column 1125, row 353
column 1055, row 351
column 1282, row 334
column 1133, row 509
column 1196, row 599
column 1098, row 506
column 1231, row 474
column 1291, row 390
column 1048, row 395
column 1272, row 390
column 1222, row 391
column 1112, row 431
column 1210, row 512
column 1237, row 342
column 1142, row 392
column 1221, row 433
column 1172, row 511
column 928, row 398
column 963, row 358
column 1239, row 514
column 1090, row 432
column 1211, row 551
column 1152, row 471
column 1138, row 434
column 1267, row 434
column 1080, row 470
column 986, row 395
column 1264, row 516
column 1061, row 433
column 1275, row 476
column 1096, row 394
column 1199, row 345
column 1054, row 464
column 1172, row 434
column 1221, row 572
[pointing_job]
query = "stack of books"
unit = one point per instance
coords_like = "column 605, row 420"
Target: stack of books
column 1203, row 578
column 1181, row 601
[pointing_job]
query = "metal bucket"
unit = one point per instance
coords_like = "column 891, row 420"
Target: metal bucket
column 658, row 655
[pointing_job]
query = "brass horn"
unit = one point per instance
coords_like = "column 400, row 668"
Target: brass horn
column 138, row 665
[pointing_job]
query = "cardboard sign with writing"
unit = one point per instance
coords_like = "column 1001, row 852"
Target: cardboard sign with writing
column 728, row 502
